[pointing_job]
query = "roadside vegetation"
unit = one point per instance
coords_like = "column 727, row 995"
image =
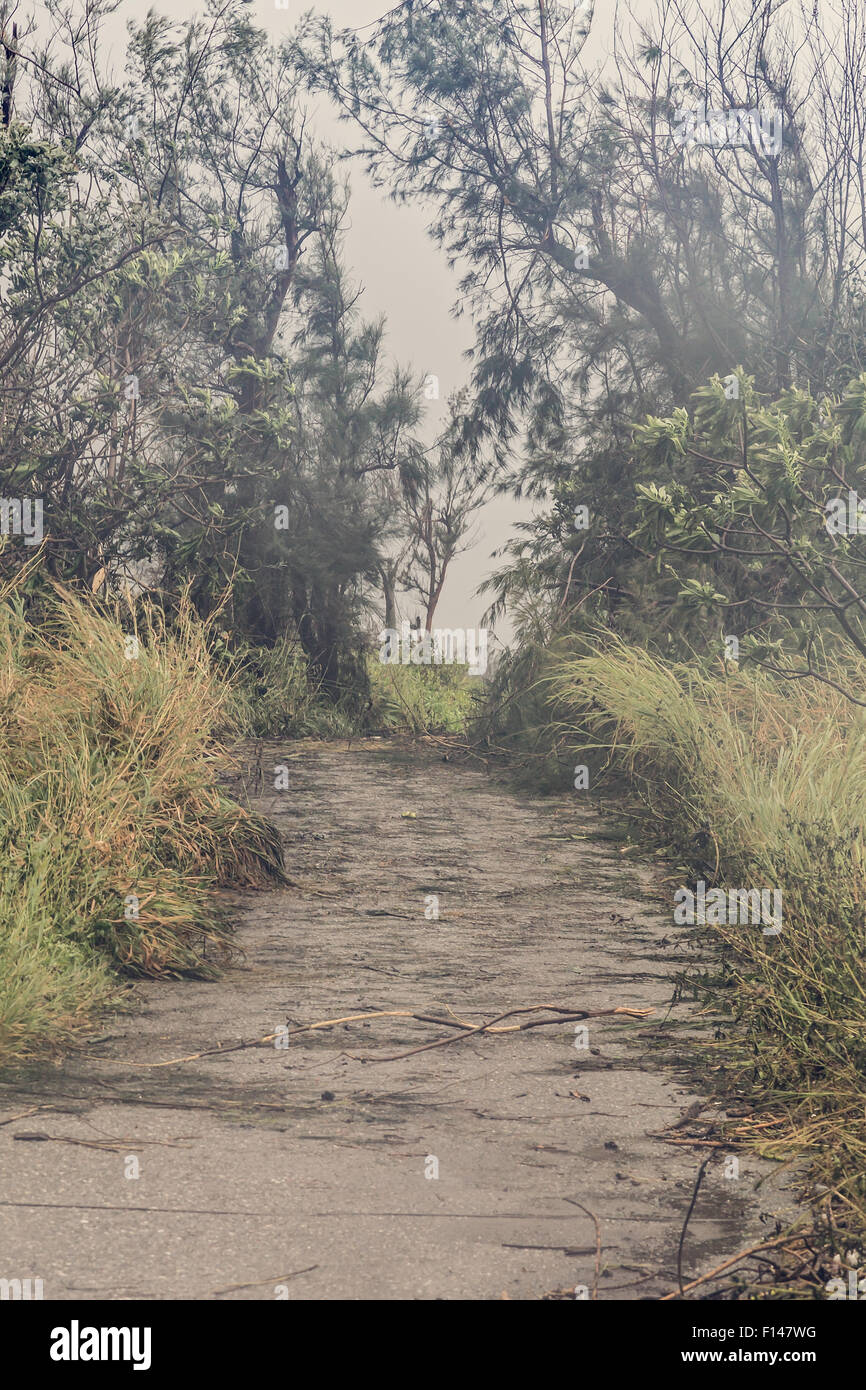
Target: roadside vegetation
column 748, row 780
column 276, row 694
column 115, row 834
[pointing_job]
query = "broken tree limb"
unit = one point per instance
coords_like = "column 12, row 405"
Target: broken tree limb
column 563, row 1015
column 270, row 1037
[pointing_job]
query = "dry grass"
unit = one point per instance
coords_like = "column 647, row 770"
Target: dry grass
column 114, row 832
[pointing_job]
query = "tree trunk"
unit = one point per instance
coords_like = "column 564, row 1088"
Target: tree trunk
column 389, row 590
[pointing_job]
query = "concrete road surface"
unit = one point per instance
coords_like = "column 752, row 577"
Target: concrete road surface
column 522, row 1164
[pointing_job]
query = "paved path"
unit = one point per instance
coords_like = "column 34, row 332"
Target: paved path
column 303, row 1172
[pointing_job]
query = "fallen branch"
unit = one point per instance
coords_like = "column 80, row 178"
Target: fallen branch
column 257, row 1283
column 24, row 1113
column 735, row 1259
column 104, row 1145
column 698, row 1143
column 564, row 1016
column 699, row 1179
column 270, row 1037
column 468, row 1029
column 591, row 1214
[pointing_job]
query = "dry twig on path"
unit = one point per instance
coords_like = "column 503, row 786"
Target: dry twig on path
column 734, row 1259
column 697, row 1187
column 563, row 1015
column 591, row 1214
column 105, row 1145
column 257, row 1283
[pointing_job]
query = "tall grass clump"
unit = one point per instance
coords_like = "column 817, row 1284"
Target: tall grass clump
column 762, row 783
column 114, row 831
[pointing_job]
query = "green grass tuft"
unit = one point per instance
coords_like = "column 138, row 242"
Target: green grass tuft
column 114, row 831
